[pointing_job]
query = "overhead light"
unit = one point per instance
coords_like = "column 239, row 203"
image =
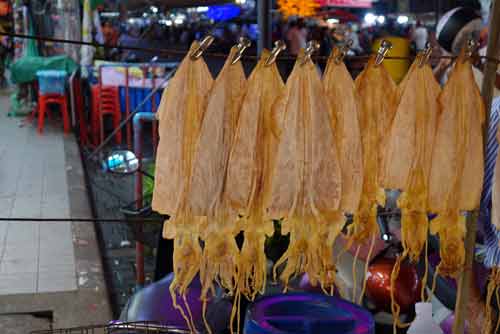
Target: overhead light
column 144, row 14
column 402, row 19
column 202, row 9
column 381, row 19
column 241, row 2
column 178, row 21
column 110, row 14
column 370, row 18
column 154, row 9
column 332, row 21
column 166, row 22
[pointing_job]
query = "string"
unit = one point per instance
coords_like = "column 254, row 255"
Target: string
column 426, row 273
column 390, row 213
column 354, row 275
column 367, row 263
column 182, row 53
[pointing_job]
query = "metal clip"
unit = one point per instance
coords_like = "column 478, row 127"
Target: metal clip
column 312, row 46
column 425, row 55
column 385, row 46
column 204, row 44
column 472, row 45
column 279, row 46
column 342, row 51
column 243, row 44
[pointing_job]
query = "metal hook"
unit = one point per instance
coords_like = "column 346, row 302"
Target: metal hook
column 204, row 44
column 385, row 46
column 425, row 55
column 342, row 51
column 243, row 44
column 472, row 45
column 279, row 46
column 312, row 46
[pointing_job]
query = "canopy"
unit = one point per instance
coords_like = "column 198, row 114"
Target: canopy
column 133, row 4
column 341, row 15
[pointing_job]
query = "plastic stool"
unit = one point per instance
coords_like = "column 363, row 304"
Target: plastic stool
column 105, row 101
column 44, row 100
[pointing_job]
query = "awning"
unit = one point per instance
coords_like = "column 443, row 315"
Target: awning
column 134, row 4
column 342, row 15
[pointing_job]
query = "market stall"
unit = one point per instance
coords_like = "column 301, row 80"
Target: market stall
column 383, row 172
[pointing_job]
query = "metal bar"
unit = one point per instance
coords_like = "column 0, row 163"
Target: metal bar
column 127, row 107
column 265, row 25
column 464, row 285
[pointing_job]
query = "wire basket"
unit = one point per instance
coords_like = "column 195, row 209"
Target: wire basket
column 118, row 328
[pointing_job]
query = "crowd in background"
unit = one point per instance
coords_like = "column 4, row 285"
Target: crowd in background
column 295, row 32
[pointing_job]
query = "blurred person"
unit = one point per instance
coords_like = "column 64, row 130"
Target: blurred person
column 130, row 38
column 420, row 36
column 296, row 36
column 352, row 35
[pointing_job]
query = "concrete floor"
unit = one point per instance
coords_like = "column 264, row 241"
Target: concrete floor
column 49, row 268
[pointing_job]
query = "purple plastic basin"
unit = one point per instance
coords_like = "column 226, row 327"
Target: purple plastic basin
column 307, row 313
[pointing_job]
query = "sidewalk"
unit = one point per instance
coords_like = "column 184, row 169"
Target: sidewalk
column 46, row 266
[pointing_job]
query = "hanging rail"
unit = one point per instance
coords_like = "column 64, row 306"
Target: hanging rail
column 181, row 53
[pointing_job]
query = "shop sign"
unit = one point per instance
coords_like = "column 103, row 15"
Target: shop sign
column 347, row 3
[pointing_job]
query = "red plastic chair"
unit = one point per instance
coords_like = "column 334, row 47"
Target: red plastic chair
column 105, row 101
column 44, row 100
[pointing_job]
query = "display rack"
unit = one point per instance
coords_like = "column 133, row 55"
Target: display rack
column 118, row 328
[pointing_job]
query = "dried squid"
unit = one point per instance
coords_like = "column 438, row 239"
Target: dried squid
column 248, row 171
column 407, row 161
column 180, row 114
column 220, row 252
column 306, row 181
column 456, row 175
column 376, row 91
column 409, row 151
column 341, row 91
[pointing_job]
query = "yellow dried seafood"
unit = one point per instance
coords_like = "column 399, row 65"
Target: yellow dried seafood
column 376, row 91
column 180, row 114
column 219, row 261
column 306, row 181
column 456, row 175
column 249, row 168
column 409, row 151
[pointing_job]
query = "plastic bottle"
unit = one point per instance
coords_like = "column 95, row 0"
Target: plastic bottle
column 423, row 323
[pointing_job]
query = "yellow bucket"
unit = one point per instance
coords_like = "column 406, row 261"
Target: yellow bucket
column 397, row 68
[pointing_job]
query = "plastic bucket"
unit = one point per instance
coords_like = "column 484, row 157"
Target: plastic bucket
column 397, row 68
column 307, row 313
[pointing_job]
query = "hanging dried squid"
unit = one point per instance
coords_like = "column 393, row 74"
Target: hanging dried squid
column 306, row 180
column 456, row 176
column 180, row 115
column 249, row 168
column 376, row 91
column 220, row 253
column 341, row 91
column 409, row 151
column 407, row 160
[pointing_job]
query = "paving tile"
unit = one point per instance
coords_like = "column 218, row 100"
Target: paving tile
column 17, row 283
column 54, row 281
column 56, row 259
column 27, row 206
column 6, row 204
column 55, row 206
column 19, row 266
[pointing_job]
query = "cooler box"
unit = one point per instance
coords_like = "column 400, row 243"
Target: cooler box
column 52, row 81
column 136, row 95
column 307, row 313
